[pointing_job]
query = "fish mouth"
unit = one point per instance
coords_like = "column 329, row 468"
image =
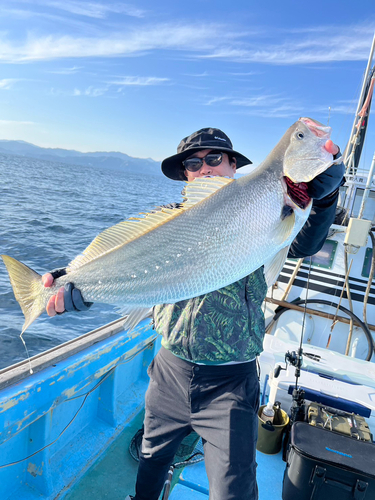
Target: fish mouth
column 316, row 127
column 297, row 192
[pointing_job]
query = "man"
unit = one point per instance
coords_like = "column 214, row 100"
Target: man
column 205, row 376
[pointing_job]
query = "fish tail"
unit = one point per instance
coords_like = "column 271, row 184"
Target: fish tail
column 27, row 287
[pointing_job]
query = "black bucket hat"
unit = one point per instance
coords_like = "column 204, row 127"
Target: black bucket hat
column 205, row 138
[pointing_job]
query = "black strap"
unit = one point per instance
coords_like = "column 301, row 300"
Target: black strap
column 317, row 480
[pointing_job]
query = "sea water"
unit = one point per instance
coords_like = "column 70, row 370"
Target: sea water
column 49, row 213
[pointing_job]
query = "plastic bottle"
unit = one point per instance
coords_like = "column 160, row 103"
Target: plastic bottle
column 268, row 413
column 278, row 417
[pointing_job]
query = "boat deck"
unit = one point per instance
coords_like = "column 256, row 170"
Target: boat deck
column 193, row 482
column 113, row 477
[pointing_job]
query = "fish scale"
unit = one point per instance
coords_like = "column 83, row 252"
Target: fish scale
column 224, row 230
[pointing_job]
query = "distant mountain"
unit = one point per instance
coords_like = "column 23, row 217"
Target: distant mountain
column 110, row 160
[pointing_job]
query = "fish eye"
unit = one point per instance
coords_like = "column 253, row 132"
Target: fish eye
column 300, row 135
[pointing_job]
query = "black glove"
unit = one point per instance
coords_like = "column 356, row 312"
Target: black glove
column 73, row 299
column 327, row 182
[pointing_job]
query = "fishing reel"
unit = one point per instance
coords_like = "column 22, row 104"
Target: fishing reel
column 293, row 358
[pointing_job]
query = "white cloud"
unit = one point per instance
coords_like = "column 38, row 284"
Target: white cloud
column 97, row 10
column 134, row 42
column 198, row 75
column 60, row 20
column 259, row 100
column 88, row 92
column 66, row 71
column 341, row 109
column 248, row 73
column 204, row 41
column 91, row 91
column 322, row 45
column 265, row 105
column 214, row 100
column 7, row 83
column 140, row 81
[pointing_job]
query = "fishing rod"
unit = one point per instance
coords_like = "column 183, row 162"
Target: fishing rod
column 348, row 156
column 297, row 410
column 296, row 359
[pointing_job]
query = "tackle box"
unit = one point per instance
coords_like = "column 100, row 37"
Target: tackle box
column 339, row 421
column 326, row 465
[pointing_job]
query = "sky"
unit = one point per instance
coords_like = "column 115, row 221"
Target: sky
column 139, row 76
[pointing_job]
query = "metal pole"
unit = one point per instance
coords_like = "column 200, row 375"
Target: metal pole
column 315, row 312
column 367, row 188
column 349, row 148
column 167, row 484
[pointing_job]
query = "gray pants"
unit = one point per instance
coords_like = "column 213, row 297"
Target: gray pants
column 220, row 403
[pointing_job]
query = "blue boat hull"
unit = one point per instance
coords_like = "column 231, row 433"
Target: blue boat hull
column 55, row 423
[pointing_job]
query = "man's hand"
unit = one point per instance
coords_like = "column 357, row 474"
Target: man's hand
column 331, row 147
column 330, row 180
column 56, row 302
column 68, row 298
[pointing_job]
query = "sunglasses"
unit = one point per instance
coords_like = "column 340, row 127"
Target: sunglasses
column 211, row 159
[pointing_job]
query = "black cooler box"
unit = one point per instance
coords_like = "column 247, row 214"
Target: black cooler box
column 324, row 465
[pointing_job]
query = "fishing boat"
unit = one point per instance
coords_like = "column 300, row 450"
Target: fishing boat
column 71, row 417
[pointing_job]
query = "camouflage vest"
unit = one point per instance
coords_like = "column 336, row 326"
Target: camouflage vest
column 218, row 327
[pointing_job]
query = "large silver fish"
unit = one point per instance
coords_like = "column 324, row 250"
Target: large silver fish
column 224, row 230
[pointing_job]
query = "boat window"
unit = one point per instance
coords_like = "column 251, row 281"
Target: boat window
column 342, row 194
column 324, row 258
column 369, row 212
column 367, row 263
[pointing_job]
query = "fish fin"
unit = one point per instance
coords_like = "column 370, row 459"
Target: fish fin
column 27, row 287
column 284, row 228
column 116, row 236
column 273, row 268
column 202, row 188
column 286, row 211
column 134, row 316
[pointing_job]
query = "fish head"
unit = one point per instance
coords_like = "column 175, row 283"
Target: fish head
column 306, row 157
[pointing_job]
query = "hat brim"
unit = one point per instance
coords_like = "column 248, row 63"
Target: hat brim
column 171, row 166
